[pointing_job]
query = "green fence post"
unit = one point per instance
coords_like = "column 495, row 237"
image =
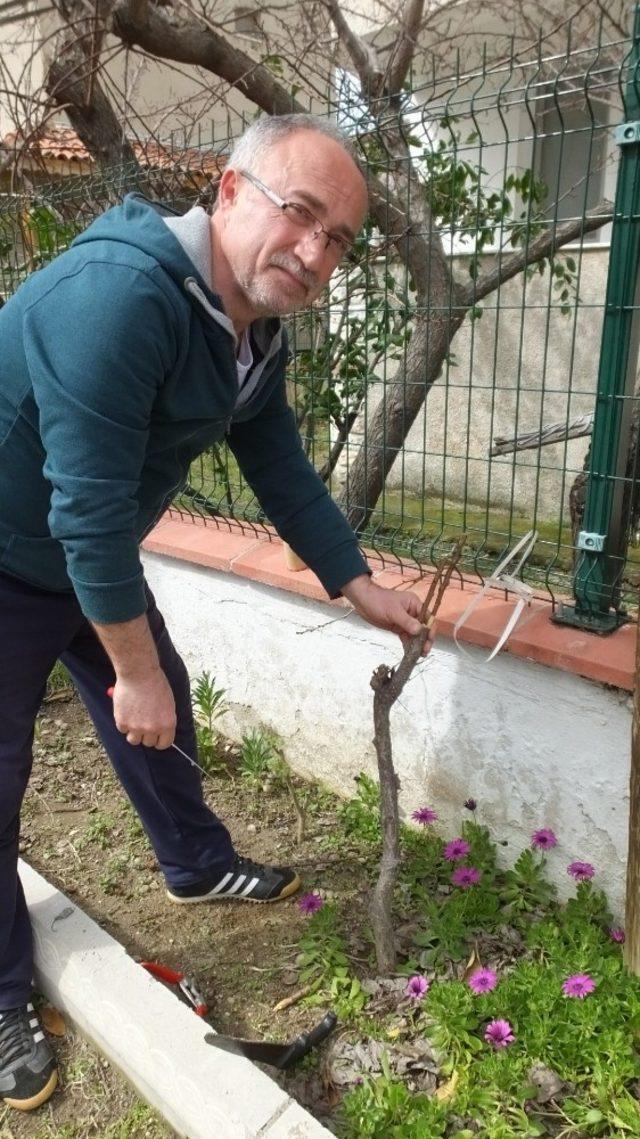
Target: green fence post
column 602, row 540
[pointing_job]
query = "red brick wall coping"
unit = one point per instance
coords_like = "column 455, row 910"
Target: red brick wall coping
column 609, row 660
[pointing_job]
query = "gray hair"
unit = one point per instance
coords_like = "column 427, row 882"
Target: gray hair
column 258, row 139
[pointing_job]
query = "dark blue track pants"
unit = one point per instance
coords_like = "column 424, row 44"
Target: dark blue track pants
column 37, row 628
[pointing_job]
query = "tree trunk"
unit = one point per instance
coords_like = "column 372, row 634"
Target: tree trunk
column 397, row 411
column 72, row 82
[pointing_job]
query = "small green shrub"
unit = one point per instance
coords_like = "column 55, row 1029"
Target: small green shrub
column 209, row 703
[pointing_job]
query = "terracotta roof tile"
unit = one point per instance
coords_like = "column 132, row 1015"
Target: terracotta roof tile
column 62, row 143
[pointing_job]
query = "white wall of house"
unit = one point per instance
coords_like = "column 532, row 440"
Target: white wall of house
column 534, row 746
column 23, row 69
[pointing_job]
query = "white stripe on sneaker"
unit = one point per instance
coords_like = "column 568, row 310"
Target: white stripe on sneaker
column 236, row 885
column 33, row 1023
column 221, row 885
column 37, row 1036
column 247, row 890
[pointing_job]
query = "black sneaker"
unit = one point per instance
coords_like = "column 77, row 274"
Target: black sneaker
column 28, row 1071
column 246, row 881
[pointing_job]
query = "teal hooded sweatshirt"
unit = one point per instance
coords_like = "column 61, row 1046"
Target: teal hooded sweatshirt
column 118, row 368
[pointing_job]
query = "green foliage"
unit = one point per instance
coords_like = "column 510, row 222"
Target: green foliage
column 209, row 703
column 324, row 964
column 333, row 375
column 511, row 922
column 451, row 922
column 261, row 765
column 99, row 830
column 360, row 816
column 58, row 679
column 483, row 849
column 525, row 887
column 386, row 1109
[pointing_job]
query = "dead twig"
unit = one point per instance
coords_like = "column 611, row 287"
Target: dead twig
column 293, row 998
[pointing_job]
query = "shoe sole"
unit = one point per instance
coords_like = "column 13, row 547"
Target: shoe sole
column 286, row 893
column 35, row 1100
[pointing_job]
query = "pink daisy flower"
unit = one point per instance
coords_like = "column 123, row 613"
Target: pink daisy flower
column 310, row 903
column 417, row 986
column 482, row 981
column 578, row 986
column 456, row 849
column 544, row 839
column 499, row 1033
column 425, row 816
column 466, row 876
column 581, row 870
column 617, row 935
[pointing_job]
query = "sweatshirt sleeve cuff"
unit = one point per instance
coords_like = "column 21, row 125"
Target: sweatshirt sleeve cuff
column 339, row 567
column 111, row 602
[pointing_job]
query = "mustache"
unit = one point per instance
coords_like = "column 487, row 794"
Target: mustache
column 293, row 265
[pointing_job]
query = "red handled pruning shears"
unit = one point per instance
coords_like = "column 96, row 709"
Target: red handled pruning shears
column 186, row 985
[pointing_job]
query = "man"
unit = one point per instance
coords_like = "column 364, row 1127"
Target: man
column 151, row 338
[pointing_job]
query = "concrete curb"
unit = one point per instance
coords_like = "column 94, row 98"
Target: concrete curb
column 157, row 1042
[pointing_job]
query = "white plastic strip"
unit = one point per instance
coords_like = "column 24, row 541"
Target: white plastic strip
column 499, row 579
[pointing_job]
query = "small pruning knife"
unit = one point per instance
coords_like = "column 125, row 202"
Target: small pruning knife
column 276, row 1055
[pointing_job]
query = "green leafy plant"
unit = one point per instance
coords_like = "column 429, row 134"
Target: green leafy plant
column 324, row 964
column 99, row 830
column 261, row 765
column 360, row 816
column 386, row 1109
column 209, row 703
column 526, row 888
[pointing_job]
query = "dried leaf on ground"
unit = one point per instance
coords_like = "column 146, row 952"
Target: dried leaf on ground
column 546, row 1081
column 52, row 1020
column 348, row 1061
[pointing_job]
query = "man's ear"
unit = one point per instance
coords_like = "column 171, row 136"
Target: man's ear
column 228, row 188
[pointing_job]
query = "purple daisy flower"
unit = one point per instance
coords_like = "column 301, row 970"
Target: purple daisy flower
column 310, row 903
column 617, row 935
column 482, row 981
column 465, row 876
column 417, row 986
column 544, row 839
column 578, row 986
column 425, row 816
column 499, row 1033
column 456, row 849
column 470, row 804
column 581, row 871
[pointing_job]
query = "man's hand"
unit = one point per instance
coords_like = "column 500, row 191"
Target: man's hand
column 386, row 608
column 143, row 705
column 144, row 709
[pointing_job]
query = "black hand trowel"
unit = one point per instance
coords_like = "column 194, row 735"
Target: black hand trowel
column 277, row 1055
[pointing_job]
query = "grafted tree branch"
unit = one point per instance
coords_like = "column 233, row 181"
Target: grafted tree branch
column 387, row 684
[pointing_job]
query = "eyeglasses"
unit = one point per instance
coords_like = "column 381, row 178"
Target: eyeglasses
column 301, row 217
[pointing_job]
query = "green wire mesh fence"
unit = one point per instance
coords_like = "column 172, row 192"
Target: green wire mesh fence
column 447, row 380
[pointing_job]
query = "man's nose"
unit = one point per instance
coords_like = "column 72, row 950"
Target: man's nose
column 310, row 248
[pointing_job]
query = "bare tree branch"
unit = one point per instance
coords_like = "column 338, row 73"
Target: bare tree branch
column 540, row 247
column 162, row 33
column 363, row 56
column 403, row 50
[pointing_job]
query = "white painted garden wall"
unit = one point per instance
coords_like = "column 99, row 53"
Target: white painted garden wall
column 534, row 746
